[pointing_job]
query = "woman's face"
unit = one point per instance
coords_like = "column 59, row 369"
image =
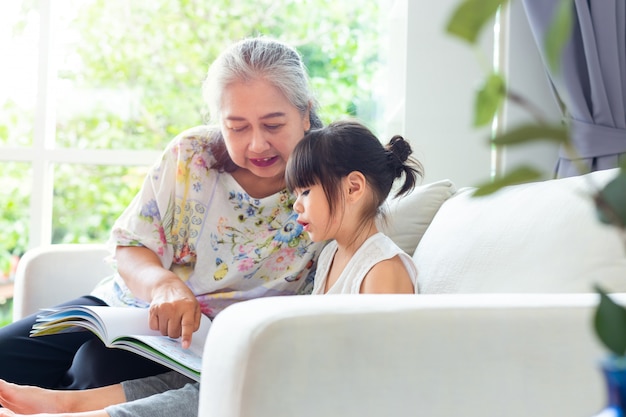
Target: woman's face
column 260, row 127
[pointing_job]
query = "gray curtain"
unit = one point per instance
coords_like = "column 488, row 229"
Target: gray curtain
column 591, row 81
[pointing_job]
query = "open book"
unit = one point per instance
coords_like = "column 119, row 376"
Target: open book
column 127, row 328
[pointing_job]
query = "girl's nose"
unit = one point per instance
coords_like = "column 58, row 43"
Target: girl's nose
column 297, row 206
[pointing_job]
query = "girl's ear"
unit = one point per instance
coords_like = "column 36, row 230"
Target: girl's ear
column 355, row 183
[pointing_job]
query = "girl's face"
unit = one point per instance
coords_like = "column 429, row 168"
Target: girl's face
column 314, row 213
column 260, row 127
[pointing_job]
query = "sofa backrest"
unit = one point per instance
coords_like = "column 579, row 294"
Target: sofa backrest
column 408, row 217
column 52, row 274
column 530, row 238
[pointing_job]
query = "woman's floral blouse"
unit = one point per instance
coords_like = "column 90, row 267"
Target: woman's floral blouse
column 226, row 245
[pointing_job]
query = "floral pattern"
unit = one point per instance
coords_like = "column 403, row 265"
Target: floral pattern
column 226, row 245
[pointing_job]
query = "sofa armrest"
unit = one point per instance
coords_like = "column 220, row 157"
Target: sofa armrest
column 53, row 274
column 404, row 355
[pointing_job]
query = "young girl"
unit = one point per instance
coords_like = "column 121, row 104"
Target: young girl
column 341, row 175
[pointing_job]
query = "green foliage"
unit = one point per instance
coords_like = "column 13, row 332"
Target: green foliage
column 14, row 198
column 611, row 201
column 139, row 67
column 159, row 51
column 6, row 312
column 533, row 132
column 471, row 16
column 521, row 135
column 609, row 323
column 88, row 199
column 16, row 124
column 519, row 175
column 489, row 99
column 467, row 22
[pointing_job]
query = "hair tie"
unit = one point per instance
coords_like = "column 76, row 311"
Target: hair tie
column 398, row 152
column 396, row 164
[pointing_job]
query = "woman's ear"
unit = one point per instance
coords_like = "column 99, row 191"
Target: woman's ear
column 307, row 119
column 355, row 183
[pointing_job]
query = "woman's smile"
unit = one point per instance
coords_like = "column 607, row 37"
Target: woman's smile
column 263, row 162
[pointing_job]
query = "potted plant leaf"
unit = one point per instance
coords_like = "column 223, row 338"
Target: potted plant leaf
column 466, row 22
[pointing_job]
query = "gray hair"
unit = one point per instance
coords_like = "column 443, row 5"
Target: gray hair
column 261, row 58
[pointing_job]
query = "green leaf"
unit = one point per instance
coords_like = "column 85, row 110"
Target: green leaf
column 558, row 33
column 469, row 18
column 533, row 132
column 519, row 175
column 610, row 324
column 489, row 99
column 611, row 201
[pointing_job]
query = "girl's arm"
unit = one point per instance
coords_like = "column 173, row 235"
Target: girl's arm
column 387, row 277
column 174, row 310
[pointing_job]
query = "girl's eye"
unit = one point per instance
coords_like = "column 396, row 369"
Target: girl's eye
column 301, row 193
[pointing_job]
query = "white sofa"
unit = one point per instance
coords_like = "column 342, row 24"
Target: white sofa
column 502, row 325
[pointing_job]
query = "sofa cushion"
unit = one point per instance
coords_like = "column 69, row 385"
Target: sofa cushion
column 409, row 216
column 536, row 237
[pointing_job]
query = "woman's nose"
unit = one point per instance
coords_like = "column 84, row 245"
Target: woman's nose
column 258, row 144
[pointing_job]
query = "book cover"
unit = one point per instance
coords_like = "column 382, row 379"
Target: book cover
column 127, row 328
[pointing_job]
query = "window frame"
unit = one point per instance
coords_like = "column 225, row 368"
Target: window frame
column 43, row 155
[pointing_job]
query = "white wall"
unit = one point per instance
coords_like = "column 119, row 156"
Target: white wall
column 437, row 79
column 525, row 74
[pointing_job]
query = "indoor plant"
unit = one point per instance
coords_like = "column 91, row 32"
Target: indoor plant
column 466, row 22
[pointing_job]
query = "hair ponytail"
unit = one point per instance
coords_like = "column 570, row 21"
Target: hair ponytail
column 401, row 163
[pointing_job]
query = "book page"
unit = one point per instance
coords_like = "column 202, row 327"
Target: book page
column 124, row 321
column 128, row 328
column 108, row 323
column 191, row 357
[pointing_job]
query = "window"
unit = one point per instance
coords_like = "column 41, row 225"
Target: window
column 96, row 88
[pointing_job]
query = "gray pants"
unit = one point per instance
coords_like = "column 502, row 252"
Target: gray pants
column 165, row 395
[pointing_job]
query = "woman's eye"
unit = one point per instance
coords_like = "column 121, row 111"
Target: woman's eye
column 273, row 127
column 305, row 192
column 237, row 128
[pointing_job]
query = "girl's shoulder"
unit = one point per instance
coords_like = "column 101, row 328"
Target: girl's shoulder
column 395, row 271
column 389, row 276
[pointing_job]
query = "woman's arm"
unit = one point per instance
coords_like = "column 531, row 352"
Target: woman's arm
column 174, row 310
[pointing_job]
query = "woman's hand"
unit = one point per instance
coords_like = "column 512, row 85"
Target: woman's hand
column 174, row 310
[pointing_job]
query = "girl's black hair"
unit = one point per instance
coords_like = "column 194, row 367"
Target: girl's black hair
column 326, row 155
